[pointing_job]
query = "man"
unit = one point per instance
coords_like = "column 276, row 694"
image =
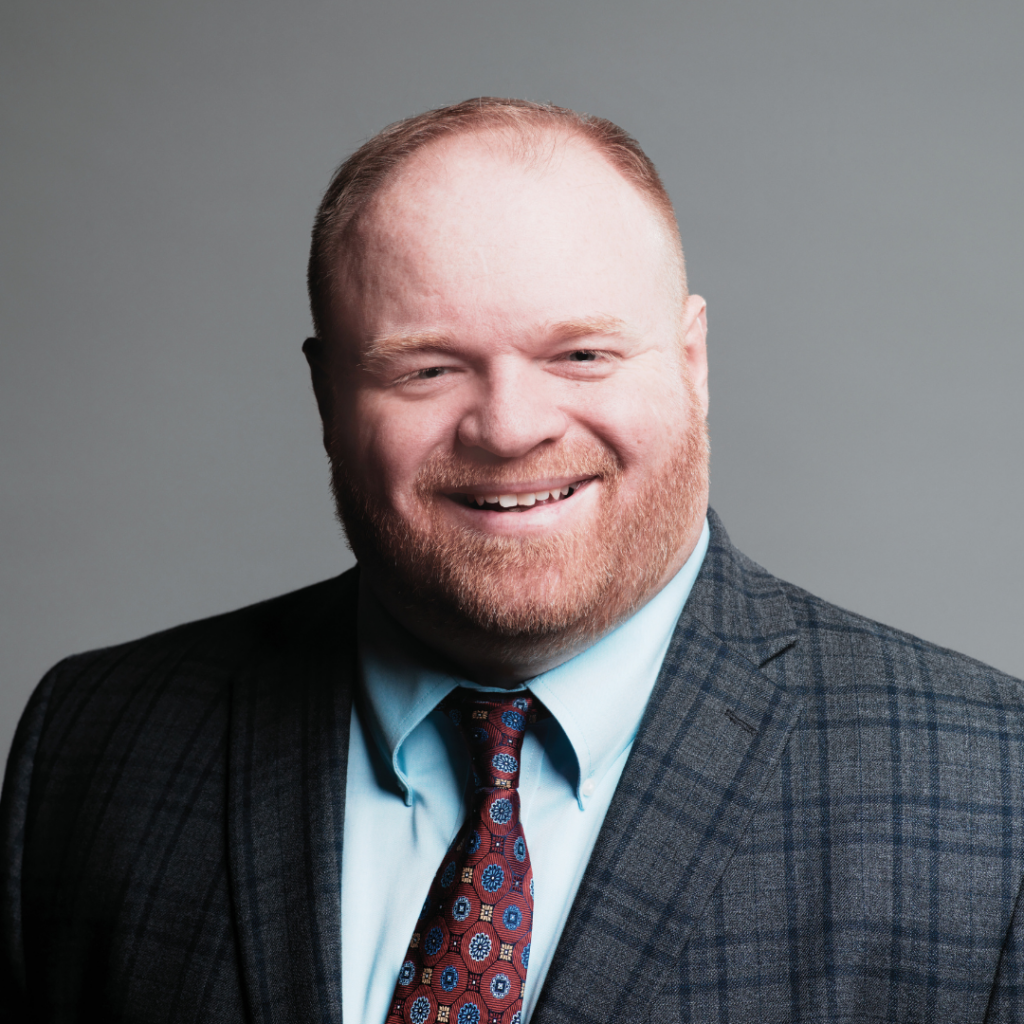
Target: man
column 694, row 792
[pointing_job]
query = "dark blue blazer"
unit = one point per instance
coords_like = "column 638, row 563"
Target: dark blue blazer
column 822, row 819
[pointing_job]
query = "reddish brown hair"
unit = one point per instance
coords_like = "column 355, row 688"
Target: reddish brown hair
column 370, row 167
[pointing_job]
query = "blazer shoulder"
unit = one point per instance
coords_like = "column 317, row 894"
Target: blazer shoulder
column 165, row 683
column 859, row 648
column 219, row 643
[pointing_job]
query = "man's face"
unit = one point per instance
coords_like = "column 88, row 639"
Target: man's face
column 517, row 396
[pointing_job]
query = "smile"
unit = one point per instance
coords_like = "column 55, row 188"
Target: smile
column 493, row 501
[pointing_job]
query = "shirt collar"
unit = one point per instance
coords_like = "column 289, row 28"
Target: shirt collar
column 597, row 697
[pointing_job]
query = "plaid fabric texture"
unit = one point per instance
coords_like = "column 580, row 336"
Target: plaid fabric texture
column 822, row 819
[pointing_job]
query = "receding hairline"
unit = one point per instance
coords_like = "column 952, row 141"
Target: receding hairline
column 532, row 148
column 525, row 132
column 536, row 154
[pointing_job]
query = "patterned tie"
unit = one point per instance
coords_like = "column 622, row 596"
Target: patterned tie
column 468, row 955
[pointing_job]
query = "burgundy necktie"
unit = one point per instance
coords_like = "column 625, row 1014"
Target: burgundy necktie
column 468, row 955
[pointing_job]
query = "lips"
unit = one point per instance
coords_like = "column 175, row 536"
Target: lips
column 515, row 501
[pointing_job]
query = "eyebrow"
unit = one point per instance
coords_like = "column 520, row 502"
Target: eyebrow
column 602, row 324
column 379, row 350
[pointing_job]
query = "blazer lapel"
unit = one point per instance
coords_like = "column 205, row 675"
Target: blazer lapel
column 710, row 738
column 286, row 803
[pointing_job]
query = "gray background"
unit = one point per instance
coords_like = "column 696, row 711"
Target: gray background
column 848, row 178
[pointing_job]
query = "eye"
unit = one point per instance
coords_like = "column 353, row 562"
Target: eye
column 427, row 373
column 583, row 355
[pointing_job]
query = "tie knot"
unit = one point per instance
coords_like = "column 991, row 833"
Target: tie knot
column 494, row 728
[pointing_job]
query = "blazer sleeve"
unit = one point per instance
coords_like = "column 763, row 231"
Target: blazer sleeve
column 14, row 810
column 1006, row 1003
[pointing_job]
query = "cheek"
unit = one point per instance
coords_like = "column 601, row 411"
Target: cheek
column 643, row 425
column 391, row 441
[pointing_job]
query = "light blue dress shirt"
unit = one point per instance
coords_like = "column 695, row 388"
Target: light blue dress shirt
column 408, row 768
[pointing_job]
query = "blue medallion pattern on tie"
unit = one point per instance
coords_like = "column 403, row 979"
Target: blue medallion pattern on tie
column 468, row 956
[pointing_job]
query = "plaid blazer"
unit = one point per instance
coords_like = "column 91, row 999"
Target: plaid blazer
column 822, row 819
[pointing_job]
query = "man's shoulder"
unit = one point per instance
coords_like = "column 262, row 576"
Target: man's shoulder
column 220, row 643
column 842, row 651
column 838, row 632
column 171, row 680
column 859, row 669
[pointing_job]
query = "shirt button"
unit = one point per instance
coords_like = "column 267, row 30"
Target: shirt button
column 588, row 787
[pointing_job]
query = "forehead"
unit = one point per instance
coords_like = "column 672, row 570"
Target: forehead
column 487, row 182
column 484, row 218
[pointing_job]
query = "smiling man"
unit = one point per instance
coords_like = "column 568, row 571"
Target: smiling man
column 554, row 751
column 519, row 448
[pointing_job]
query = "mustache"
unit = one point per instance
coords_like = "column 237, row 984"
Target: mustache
column 448, row 471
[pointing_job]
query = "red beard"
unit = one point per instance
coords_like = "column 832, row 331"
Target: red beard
column 536, row 594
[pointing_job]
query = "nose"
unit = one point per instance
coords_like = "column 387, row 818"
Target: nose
column 514, row 411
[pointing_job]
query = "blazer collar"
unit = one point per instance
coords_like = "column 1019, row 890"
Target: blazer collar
column 291, row 708
column 741, row 603
column 711, row 737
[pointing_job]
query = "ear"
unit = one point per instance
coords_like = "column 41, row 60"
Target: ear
column 695, row 350
column 319, row 370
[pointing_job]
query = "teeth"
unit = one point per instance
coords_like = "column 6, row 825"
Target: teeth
column 524, row 500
